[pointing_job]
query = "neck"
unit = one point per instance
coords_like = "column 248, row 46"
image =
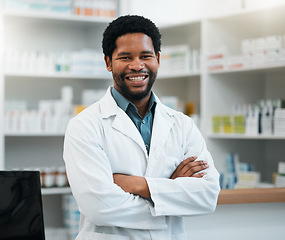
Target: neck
column 142, row 105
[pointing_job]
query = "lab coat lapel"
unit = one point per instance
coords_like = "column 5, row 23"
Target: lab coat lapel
column 162, row 125
column 122, row 122
column 163, row 122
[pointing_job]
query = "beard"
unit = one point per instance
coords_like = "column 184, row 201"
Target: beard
column 125, row 90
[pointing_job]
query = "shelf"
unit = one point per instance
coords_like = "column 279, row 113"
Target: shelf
column 242, row 13
column 34, row 134
column 242, row 136
column 178, row 75
column 227, row 196
column 54, row 191
column 256, row 69
column 48, row 16
column 258, row 195
column 58, row 76
column 182, row 24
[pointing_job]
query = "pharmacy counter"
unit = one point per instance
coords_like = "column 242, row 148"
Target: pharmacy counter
column 242, row 214
column 254, row 195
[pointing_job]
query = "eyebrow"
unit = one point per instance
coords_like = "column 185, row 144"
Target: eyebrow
column 124, row 53
column 147, row 52
column 127, row 53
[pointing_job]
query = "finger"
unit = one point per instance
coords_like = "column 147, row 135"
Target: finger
column 199, row 175
column 178, row 171
column 201, row 165
column 191, row 165
column 186, row 163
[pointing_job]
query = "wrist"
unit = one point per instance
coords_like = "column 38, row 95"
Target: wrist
column 141, row 187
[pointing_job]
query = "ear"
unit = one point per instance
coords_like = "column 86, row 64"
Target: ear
column 108, row 63
column 158, row 58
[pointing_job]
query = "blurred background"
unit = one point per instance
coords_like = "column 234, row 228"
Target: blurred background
column 222, row 63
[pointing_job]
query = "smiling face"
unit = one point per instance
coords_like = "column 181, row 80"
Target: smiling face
column 134, row 66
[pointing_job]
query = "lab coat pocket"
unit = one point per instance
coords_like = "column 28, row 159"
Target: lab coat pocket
column 103, row 236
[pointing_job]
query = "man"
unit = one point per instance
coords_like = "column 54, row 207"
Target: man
column 135, row 166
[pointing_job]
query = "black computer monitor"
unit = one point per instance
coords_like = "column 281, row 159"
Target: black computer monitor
column 21, row 213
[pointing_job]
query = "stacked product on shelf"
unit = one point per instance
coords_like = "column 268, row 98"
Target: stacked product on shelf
column 84, row 62
column 257, row 52
column 173, row 102
column 53, row 177
column 88, row 62
column 51, row 117
column 280, row 178
column 71, row 216
column 188, row 108
column 179, row 59
column 56, row 234
column 238, row 174
column 279, row 122
column 216, row 58
column 266, row 118
column 89, row 8
column 95, row 8
column 50, row 6
column 50, row 177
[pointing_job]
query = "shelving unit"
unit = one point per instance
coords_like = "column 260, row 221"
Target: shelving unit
column 219, row 90
column 188, row 89
column 30, row 31
column 224, row 88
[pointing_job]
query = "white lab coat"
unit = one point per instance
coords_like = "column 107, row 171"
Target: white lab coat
column 103, row 140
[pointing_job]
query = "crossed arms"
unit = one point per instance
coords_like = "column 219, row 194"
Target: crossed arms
column 104, row 197
column 138, row 185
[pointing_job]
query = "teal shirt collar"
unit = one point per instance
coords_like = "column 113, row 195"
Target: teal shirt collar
column 123, row 103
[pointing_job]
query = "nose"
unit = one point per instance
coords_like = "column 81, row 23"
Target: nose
column 136, row 64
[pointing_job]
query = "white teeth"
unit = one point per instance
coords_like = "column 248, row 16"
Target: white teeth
column 137, row 78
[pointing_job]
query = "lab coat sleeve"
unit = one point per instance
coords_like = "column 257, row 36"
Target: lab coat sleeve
column 187, row 196
column 91, row 179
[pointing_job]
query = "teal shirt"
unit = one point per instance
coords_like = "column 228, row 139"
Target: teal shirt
column 144, row 125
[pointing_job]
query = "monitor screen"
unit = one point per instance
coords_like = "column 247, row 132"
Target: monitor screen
column 21, row 214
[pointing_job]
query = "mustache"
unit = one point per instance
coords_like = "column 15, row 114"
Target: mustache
column 136, row 72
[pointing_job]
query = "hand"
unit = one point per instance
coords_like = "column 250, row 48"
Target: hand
column 190, row 168
column 132, row 184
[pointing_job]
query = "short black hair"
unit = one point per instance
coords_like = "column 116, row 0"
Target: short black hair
column 129, row 24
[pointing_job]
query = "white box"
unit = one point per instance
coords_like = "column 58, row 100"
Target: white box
column 281, row 167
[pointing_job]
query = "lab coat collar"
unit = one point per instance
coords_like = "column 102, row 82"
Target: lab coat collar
column 163, row 122
column 109, row 106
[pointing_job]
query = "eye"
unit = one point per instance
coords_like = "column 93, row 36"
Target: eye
column 147, row 56
column 124, row 58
